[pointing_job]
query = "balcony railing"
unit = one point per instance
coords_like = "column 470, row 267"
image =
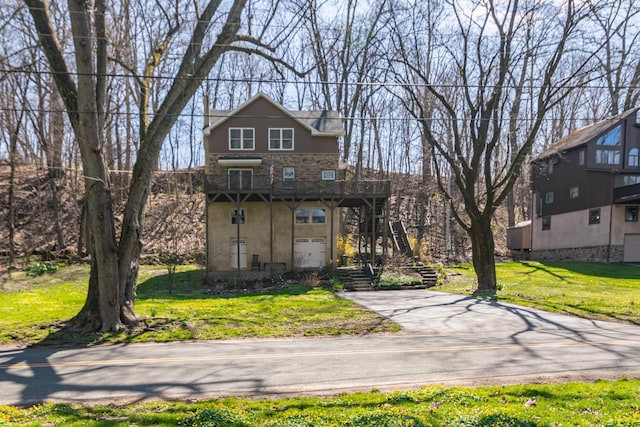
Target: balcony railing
column 263, row 184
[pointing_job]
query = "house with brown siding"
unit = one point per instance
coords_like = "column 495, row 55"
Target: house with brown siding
column 586, row 194
column 274, row 188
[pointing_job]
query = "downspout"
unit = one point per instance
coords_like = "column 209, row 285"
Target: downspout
column 610, row 217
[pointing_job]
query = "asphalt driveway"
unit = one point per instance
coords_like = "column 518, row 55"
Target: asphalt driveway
column 430, row 312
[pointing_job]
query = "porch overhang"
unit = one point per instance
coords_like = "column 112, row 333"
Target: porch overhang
column 234, row 162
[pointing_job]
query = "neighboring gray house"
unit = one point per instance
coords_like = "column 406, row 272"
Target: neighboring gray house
column 586, row 194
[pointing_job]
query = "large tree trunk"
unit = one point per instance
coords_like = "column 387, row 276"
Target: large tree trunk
column 97, row 185
column 482, row 246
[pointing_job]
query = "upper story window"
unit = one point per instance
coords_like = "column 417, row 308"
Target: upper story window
column 607, row 153
column 280, row 139
column 607, row 157
column 633, row 157
column 288, row 177
column 549, row 197
column 241, row 139
column 581, row 157
column 611, row 138
column 574, row 192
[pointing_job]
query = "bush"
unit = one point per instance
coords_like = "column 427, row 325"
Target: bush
column 40, row 268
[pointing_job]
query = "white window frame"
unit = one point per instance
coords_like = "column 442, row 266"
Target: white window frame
column 329, row 175
column 280, row 146
column 315, row 218
column 238, row 214
column 243, row 140
column 288, row 176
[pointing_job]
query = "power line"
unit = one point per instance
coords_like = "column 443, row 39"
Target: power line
column 251, row 80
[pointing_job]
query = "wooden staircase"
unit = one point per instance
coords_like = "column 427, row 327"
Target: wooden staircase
column 400, row 239
column 355, row 279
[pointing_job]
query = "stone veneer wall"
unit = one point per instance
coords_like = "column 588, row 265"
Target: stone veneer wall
column 590, row 254
column 308, row 167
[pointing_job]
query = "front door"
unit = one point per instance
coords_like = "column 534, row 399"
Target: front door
column 240, row 179
column 238, row 250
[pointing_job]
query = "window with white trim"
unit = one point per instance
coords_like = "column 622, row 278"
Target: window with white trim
column 238, row 216
column 311, row 216
column 241, row 139
column 288, row 177
column 280, row 139
column 318, row 216
column 302, row 216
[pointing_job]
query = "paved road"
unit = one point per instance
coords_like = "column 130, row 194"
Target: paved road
column 446, row 339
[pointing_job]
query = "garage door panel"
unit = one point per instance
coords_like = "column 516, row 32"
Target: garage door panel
column 310, row 252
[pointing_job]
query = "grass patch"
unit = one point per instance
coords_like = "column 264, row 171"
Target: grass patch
column 397, row 280
column 32, row 310
column 590, row 290
column 602, row 403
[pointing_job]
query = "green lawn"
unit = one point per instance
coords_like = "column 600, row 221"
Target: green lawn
column 590, row 290
column 32, row 309
column 603, row 403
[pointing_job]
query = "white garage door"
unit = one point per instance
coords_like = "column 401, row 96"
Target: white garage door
column 310, row 252
column 632, row 248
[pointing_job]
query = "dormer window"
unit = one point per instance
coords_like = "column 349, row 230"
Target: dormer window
column 280, row 139
column 241, row 139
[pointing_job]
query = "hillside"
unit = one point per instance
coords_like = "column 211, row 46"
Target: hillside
column 174, row 220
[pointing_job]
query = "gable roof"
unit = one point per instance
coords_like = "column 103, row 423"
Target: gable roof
column 319, row 123
column 585, row 134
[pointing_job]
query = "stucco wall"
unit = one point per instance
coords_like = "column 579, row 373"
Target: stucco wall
column 256, row 231
column 571, row 230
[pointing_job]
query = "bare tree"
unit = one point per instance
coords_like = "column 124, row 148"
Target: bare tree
column 618, row 24
column 475, row 87
column 82, row 84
